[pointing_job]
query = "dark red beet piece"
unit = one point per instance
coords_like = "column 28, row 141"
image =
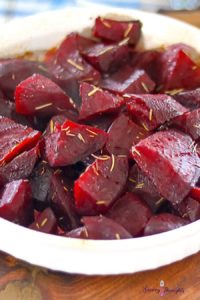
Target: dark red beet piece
column 104, row 121
column 189, row 209
column 79, row 233
column 45, row 222
column 101, row 184
column 38, row 95
column 115, row 31
column 107, row 58
column 151, row 110
column 189, row 123
column 103, row 228
column 62, row 202
column 195, row 193
column 20, row 167
column 190, row 99
column 123, row 134
column 73, row 143
column 55, row 123
column 16, row 203
column 141, row 185
column 13, row 71
column 15, row 138
column 163, row 222
column 130, row 212
column 96, row 101
column 171, row 153
column 127, row 80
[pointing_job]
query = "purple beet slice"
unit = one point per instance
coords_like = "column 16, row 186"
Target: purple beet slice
column 128, row 80
column 101, row 184
column 130, row 212
column 172, row 154
column 189, row 209
column 115, row 31
column 39, row 96
column 73, row 143
column 45, row 222
column 62, row 202
column 190, row 99
column 141, row 185
column 96, row 101
column 15, row 139
column 163, row 222
column 123, row 134
column 16, row 202
column 189, row 123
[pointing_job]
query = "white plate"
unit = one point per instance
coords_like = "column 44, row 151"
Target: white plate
column 82, row 256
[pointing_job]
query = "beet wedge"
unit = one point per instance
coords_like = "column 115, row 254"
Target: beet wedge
column 96, row 101
column 190, row 98
column 151, row 111
column 72, row 143
column 15, row 139
column 115, row 31
column 45, row 222
column 170, row 152
column 101, row 184
column 16, row 202
column 189, row 209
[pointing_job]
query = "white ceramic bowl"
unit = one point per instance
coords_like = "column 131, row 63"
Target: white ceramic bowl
column 41, row 32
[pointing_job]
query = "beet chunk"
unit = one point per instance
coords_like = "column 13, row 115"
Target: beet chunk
column 189, row 123
column 62, row 202
column 141, row 185
column 123, row 134
column 171, row 153
column 68, row 66
column 115, row 31
column 20, row 167
column 190, row 99
column 16, row 203
column 79, row 233
column 13, row 71
column 151, row 111
column 15, row 138
column 103, row 228
column 73, row 143
column 96, row 101
column 127, row 80
column 45, row 222
column 195, row 193
column 189, row 209
column 101, row 184
column 130, row 212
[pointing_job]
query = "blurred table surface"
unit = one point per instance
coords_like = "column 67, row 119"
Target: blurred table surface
column 21, row 281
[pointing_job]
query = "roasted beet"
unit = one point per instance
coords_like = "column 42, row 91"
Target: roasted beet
column 190, row 99
column 16, row 202
column 45, row 222
column 96, row 101
column 101, row 184
column 130, row 212
column 72, row 143
column 151, row 111
column 127, row 80
column 115, row 31
column 15, row 139
column 172, row 154
column 189, row 209
column 195, row 193
column 38, row 95
column 55, row 123
column 163, row 222
column 123, row 134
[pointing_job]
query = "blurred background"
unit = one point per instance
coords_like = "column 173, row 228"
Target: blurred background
column 19, row 8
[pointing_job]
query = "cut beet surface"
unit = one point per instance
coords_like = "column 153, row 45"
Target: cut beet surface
column 195, row 193
column 141, row 185
column 127, row 80
column 163, row 222
column 72, row 143
column 189, row 123
column 16, row 202
column 170, row 152
column 45, row 222
column 151, row 111
column 123, row 134
column 190, row 99
column 55, row 124
column 130, row 212
column 39, row 96
column 115, row 31
column 189, row 209
column 96, row 101
column 101, row 184
column 15, row 139
column 62, row 202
